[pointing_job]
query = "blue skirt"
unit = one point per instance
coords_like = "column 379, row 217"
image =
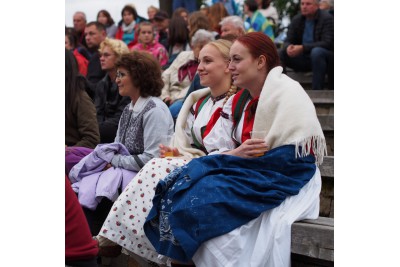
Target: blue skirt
column 213, row 195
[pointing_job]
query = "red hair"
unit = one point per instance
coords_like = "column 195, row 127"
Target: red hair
column 260, row 44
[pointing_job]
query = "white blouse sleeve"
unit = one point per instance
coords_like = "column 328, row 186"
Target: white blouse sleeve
column 219, row 139
column 189, row 125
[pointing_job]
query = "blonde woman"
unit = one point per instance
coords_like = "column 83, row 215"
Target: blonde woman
column 124, row 224
column 109, row 103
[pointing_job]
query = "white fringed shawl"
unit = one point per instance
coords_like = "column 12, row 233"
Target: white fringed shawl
column 288, row 115
column 180, row 139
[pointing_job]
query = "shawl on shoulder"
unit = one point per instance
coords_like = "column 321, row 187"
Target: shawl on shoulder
column 213, row 195
column 287, row 114
column 180, row 139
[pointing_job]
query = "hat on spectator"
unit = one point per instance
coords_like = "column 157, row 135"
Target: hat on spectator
column 161, row 15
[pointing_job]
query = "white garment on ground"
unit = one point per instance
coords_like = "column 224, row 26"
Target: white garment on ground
column 251, row 244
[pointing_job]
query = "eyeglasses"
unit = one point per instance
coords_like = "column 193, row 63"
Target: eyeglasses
column 120, row 75
column 105, row 54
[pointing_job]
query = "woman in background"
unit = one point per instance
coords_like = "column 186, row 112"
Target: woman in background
column 178, row 38
column 216, row 14
column 127, row 31
column 104, row 17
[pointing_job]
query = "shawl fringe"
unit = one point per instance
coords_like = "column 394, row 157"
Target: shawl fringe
column 316, row 143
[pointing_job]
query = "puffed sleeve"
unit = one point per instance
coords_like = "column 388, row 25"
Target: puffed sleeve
column 219, row 139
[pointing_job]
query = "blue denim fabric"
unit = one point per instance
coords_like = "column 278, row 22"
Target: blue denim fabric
column 213, row 195
column 175, row 108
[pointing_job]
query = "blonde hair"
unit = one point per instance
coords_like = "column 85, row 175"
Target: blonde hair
column 223, row 46
column 117, row 46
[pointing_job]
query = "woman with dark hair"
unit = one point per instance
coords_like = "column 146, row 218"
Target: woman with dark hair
column 181, row 12
column 103, row 174
column 216, row 13
column 197, row 21
column 178, row 38
column 237, row 207
column 81, row 128
column 81, row 54
column 104, row 17
column 127, row 30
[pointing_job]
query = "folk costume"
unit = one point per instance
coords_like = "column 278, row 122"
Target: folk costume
column 223, row 210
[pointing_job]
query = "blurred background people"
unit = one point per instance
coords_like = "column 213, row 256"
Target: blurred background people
column 147, row 43
column 190, row 5
column 309, row 44
column 161, row 21
column 81, row 55
column 95, row 34
column 178, row 38
column 127, row 30
column 109, row 103
column 104, row 17
column 151, row 11
column 79, row 20
column 81, row 128
column 255, row 21
column 216, row 14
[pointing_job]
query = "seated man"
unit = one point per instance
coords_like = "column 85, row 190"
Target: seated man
column 309, row 44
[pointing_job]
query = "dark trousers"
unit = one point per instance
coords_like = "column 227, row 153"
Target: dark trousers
column 96, row 218
column 319, row 61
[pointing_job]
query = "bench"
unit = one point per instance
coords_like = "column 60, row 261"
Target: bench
column 304, row 78
column 323, row 101
column 327, row 124
column 313, row 240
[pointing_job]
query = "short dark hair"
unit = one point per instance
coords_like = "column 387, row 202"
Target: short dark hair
column 144, row 70
column 251, row 4
column 178, row 31
column 100, row 27
column 161, row 16
column 131, row 10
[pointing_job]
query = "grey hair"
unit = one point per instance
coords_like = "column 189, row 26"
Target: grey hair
column 202, row 36
column 81, row 13
column 236, row 21
column 330, row 2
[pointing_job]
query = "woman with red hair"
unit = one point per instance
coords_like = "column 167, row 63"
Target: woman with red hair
column 237, row 207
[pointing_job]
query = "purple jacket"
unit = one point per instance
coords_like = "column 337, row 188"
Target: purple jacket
column 92, row 183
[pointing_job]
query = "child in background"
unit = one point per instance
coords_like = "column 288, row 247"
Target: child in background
column 148, row 43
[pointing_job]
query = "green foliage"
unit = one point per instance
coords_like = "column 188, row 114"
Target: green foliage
column 287, row 7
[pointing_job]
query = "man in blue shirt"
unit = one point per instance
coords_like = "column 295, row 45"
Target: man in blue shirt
column 309, row 44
